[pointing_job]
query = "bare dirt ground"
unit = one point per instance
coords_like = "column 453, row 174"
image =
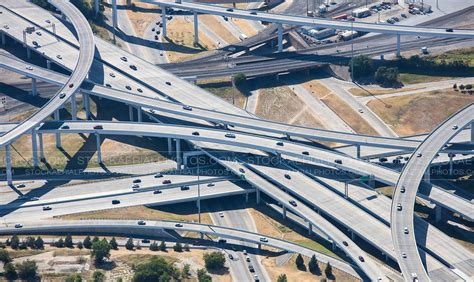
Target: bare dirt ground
column 245, row 26
column 223, row 88
column 142, row 15
column 372, row 92
column 419, row 113
column 211, row 21
column 278, row 103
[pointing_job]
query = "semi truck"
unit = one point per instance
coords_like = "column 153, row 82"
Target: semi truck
column 361, row 13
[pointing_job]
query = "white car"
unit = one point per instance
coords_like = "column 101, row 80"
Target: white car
column 221, row 214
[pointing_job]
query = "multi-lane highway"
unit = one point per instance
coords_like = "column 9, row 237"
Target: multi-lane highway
column 403, row 204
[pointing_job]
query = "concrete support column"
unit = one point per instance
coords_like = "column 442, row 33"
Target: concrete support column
column 333, row 245
column 258, row 196
column 4, row 41
column 178, row 153
column 398, row 46
column 139, row 114
column 8, row 165
column 246, row 196
column 41, row 148
column 58, row 135
column 99, row 153
column 34, row 148
column 130, row 112
column 86, row 104
column 352, row 235
column 73, row 107
column 196, row 29
column 371, row 181
column 438, row 215
column 280, row 37
column 358, row 151
column 310, row 228
column 426, row 177
column 163, row 20
column 472, row 132
column 114, row 14
column 28, row 52
column 170, row 146
column 284, row 212
column 48, row 64
column 96, row 7
column 34, row 91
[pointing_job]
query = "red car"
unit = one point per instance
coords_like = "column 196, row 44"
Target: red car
column 71, row 85
column 166, row 181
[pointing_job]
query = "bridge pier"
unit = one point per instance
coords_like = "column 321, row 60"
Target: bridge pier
column 139, row 114
column 73, row 107
column 34, row 91
column 426, row 176
column 438, row 213
column 398, row 46
column 178, row 153
column 114, row 14
column 170, row 146
column 451, row 164
column 310, row 228
column 41, row 148
column 4, row 41
column 334, row 246
column 280, row 37
column 284, row 212
column 96, row 7
column 163, row 21
column 8, row 165
column 130, row 112
column 34, row 148
column 58, row 134
column 246, row 196
column 472, row 132
column 358, row 151
column 28, row 52
column 196, row 29
column 86, row 104
column 48, row 64
column 99, row 153
column 258, row 196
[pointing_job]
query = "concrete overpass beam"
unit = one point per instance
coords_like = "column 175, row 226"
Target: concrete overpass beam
column 163, row 21
column 99, row 153
column 472, row 132
column 34, row 91
column 398, row 46
column 34, row 148
column 178, row 153
column 41, row 147
column 280, row 37
column 73, row 107
column 58, row 134
column 114, row 14
column 196, row 29
column 8, row 165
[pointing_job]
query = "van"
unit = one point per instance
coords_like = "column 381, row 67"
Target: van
column 424, row 50
column 242, row 37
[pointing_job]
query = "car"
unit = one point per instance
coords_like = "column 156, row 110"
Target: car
column 35, row 43
column 187, row 108
column 123, row 58
column 399, row 206
column 406, row 158
column 157, row 192
column 402, row 190
column 383, row 160
column 287, row 176
column 229, row 10
column 345, row 243
column 255, row 278
column 247, row 258
column 18, row 225
column 403, row 15
column 449, row 30
column 178, row 225
column 390, row 21
column 21, row 186
column 115, row 202
column 404, row 255
column 166, row 181
column 112, row 74
column 133, row 67
column 71, row 85
column 231, row 256
column 419, row 155
column 195, row 133
column 245, row 252
column 455, row 127
column 306, row 153
column 47, row 21
column 396, row 19
column 225, row 18
column 156, row 37
column 65, row 127
column 211, row 184
column 405, row 230
column 279, row 143
column 251, row 269
column 293, row 203
column 128, row 87
column 184, row 188
column 34, row 199
column 141, row 222
column 59, row 57
column 361, row 110
column 242, row 170
column 338, row 161
column 361, row 258
column 62, row 95
column 221, row 214
column 159, row 175
column 139, row 90
column 138, row 180
column 253, row 13
column 263, row 239
column 223, row 241
column 98, row 127
column 29, row 67
column 145, row 241
column 47, row 208
column 230, row 135
column 168, row 83
column 396, row 161
column 38, row 33
column 135, row 186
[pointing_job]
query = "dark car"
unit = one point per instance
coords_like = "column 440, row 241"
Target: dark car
column 230, row 10
column 338, row 161
column 168, row 83
column 293, row 203
column 287, row 176
column 71, row 85
column 133, row 67
column 115, row 202
column 65, row 127
column 253, row 13
column 158, row 175
column 280, row 143
column 138, row 180
column 242, row 170
column 345, row 243
column 98, row 127
column 230, row 135
column 166, row 181
column 141, row 222
column 184, row 188
column 306, row 153
column 145, row 241
column 35, row 43
column 62, row 95
column 195, row 133
column 361, row 258
column 222, row 241
column 449, row 30
column 47, row 208
column 187, row 108
column 124, row 58
column 157, row 192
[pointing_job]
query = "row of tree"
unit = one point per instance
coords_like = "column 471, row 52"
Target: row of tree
column 313, row 266
column 159, row 269
column 363, row 67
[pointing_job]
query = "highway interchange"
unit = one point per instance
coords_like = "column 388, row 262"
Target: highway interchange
column 165, row 93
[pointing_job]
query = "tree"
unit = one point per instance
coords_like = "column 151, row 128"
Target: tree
column 129, row 245
column 30, row 242
column 300, row 263
column 178, row 247
column 27, row 270
column 214, row 260
column 59, row 243
column 186, row 247
column 282, row 278
column 98, row 276
column 77, row 277
column 186, row 270
column 387, row 76
column 39, row 244
column 469, row 86
column 68, row 242
column 95, row 239
column 80, row 246
column 5, row 257
column 239, row 79
column 138, row 246
column 203, row 276
column 328, row 270
column 9, row 271
column 154, row 247
column 461, row 87
column 14, row 242
column 23, row 245
column 87, row 242
column 163, row 246
column 157, row 269
column 100, row 250
column 113, row 243
column 313, row 266
column 455, row 87
column 362, row 66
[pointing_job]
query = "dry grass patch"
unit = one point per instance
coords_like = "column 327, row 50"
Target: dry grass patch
column 306, row 118
column 419, row 113
column 141, row 16
column 245, row 26
column 214, row 23
column 278, row 103
column 372, row 92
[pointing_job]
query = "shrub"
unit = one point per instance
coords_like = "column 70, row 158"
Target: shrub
column 39, row 244
column 100, row 250
column 214, row 260
column 5, row 257
column 113, row 243
column 328, row 270
column 27, row 270
column 362, row 66
column 178, row 247
column 387, row 76
column 282, row 278
column 68, row 242
column 87, row 242
column 300, row 263
column 9, row 271
column 313, row 266
column 129, row 245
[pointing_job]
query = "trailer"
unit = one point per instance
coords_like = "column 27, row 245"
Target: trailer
column 361, row 13
column 324, row 33
column 347, row 35
column 340, row 17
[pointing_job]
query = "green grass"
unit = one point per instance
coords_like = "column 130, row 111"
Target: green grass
column 464, row 54
column 308, row 243
column 411, row 78
column 133, row 260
